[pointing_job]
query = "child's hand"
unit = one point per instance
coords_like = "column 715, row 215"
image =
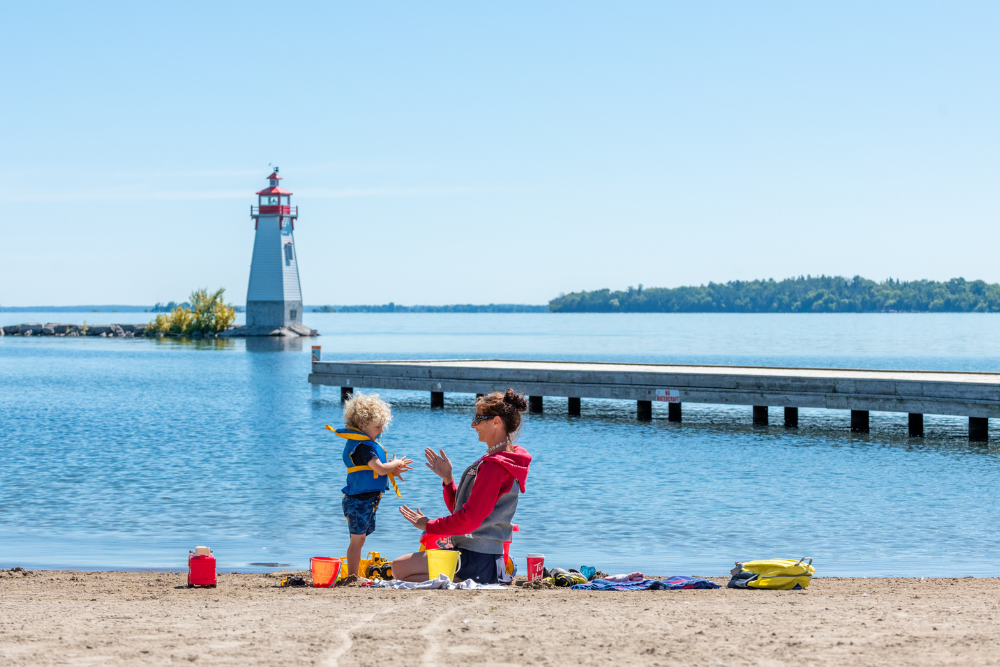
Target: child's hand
column 401, row 465
column 439, row 464
column 393, row 466
column 416, row 518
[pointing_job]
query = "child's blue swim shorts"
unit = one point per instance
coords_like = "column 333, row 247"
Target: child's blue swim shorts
column 359, row 511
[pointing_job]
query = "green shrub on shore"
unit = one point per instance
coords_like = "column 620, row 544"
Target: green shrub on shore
column 208, row 313
column 211, row 313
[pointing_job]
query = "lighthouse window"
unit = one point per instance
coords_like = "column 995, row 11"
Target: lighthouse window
column 284, row 200
column 288, row 252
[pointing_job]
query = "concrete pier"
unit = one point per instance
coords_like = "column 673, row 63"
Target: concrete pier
column 915, row 425
column 972, row 395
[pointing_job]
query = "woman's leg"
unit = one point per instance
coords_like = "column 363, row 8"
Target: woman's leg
column 354, row 554
column 411, row 567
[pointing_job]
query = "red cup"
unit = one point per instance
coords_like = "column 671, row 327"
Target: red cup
column 536, row 566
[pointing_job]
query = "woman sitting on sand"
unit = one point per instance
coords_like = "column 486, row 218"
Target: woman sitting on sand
column 483, row 503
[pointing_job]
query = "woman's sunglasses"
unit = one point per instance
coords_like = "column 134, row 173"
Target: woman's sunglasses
column 476, row 419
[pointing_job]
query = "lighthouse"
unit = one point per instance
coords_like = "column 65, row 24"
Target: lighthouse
column 274, row 297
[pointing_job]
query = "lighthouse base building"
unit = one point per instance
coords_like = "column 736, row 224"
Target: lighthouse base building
column 274, row 296
column 274, row 314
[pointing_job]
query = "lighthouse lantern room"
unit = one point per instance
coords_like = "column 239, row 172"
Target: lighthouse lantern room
column 274, row 297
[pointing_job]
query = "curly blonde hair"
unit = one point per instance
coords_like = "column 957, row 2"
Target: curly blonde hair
column 363, row 410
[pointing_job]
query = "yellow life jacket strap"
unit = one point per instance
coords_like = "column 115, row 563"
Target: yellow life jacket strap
column 352, row 436
column 392, row 479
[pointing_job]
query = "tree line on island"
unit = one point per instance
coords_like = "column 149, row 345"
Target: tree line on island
column 808, row 294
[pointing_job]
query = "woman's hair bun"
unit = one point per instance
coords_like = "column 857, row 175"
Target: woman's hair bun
column 515, row 400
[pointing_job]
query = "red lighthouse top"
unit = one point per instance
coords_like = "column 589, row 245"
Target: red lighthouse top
column 272, row 180
column 274, row 200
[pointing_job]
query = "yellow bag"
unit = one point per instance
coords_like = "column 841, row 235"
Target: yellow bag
column 782, row 574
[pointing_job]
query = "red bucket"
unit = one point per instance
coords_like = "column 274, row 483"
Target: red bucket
column 324, row 571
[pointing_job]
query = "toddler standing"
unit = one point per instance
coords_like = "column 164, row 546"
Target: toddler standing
column 369, row 470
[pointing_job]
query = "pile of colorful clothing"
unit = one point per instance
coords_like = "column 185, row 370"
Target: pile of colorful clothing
column 668, row 584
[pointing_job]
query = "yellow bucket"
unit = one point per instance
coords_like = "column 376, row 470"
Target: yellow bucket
column 441, row 561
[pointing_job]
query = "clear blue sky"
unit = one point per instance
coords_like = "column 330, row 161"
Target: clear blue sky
column 496, row 152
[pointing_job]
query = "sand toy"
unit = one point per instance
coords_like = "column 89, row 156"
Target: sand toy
column 325, row 571
column 376, row 567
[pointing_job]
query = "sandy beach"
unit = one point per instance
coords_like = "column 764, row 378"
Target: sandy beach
column 117, row 618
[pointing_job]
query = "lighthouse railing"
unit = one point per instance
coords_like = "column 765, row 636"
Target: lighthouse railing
column 292, row 211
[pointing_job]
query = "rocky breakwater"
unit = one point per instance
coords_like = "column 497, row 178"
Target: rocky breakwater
column 144, row 330
column 73, row 330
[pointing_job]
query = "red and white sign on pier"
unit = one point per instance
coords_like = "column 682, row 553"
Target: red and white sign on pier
column 668, row 395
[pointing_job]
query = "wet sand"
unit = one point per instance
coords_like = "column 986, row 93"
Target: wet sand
column 118, row 618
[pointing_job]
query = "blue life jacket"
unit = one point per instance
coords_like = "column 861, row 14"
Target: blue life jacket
column 361, row 479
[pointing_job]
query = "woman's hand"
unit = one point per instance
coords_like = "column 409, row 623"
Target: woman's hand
column 440, row 465
column 416, row 518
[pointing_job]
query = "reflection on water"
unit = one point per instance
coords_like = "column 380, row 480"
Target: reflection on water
column 276, row 344
column 127, row 453
column 197, row 343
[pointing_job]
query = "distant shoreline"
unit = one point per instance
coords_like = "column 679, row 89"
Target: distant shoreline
column 805, row 294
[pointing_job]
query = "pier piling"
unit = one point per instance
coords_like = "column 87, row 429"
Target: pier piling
column 979, row 429
column 791, row 417
column 674, row 412
column 534, row 404
column 437, row 399
column 346, row 393
column 644, row 410
column 916, row 424
column 574, row 405
column 859, row 421
column 760, row 415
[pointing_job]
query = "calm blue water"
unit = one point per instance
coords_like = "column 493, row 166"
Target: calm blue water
column 127, row 453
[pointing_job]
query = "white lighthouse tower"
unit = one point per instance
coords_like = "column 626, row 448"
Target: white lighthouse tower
column 274, row 297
